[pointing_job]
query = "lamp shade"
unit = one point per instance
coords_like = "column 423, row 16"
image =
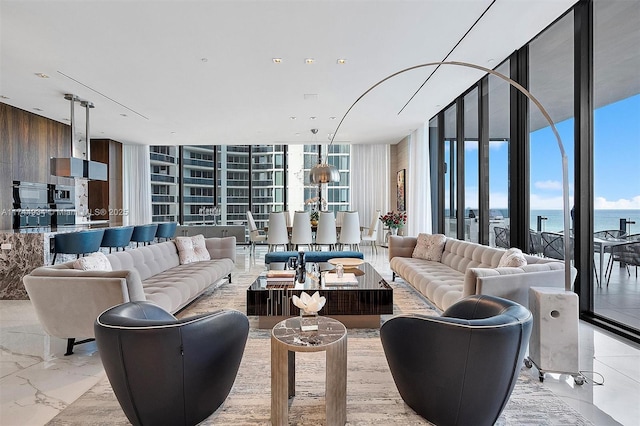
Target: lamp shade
column 323, row 173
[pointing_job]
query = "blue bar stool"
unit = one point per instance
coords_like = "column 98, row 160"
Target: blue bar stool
column 117, row 237
column 77, row 243
column 166, row 230
column 144, row 234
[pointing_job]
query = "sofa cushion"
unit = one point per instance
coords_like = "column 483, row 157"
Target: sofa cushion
column 192, row 249
column 94, row 262
column 148, row 260
column 429, row 247
column 512, row 258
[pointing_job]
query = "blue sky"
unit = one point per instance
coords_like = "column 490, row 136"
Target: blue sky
column 616, row 162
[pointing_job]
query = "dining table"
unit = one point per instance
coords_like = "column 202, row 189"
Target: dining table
column 602, row 245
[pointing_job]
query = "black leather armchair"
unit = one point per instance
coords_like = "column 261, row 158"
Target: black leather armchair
column 169, row 371
column 459, row 369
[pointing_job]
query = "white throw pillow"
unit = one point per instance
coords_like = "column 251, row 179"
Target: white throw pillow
column 192, row 249
column 429, row 247
column 94, row 262
column 512, row 258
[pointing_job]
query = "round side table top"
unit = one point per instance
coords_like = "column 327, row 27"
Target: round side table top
column 329, row 331
column 346, row 261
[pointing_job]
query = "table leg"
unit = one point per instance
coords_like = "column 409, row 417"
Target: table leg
column 279, row 384
column 336, row 383
column 601, row 262
column 291, row 360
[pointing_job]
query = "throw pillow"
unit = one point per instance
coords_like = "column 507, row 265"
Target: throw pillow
column 94, row 262
column 429, row 247
column 192, row 249
column 512, row 258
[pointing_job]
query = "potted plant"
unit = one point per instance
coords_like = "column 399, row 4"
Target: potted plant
column 315, row 216
column 394, row 220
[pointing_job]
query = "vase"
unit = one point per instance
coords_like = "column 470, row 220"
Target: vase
column 308, row 320
column 394, row 231
column 314, row 223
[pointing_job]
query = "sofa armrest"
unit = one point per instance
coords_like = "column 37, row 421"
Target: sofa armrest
column 131, row 278
column 222, row 248
column 400, row 246
column 510, row 283
column 67, row 306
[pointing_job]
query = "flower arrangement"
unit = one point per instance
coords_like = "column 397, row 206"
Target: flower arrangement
column 394, row 219
column 315, row 215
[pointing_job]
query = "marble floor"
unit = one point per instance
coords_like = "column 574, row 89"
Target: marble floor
column 37, row 381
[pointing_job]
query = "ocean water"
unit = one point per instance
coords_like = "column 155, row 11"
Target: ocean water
column 602, row 220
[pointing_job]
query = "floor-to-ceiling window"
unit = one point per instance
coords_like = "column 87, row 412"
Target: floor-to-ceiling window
column 217, row 184
column 616, row 151
column 551, row 82
column 450, row 150
column 471, row 163
column 499, row 133
column 572, row 75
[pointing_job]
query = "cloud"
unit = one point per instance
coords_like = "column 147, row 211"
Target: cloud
column 539, row 202
column 601, row 203
column 497, row 145
column 549, row 185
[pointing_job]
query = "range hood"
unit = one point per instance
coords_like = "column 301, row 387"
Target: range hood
column 74, row 167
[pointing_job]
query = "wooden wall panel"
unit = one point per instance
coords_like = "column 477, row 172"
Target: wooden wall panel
column 399, row 160
column 28, row 141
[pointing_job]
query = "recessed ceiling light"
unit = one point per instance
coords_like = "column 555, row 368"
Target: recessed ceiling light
column 204, row 59
column 37, row 109
column 297, row 134
column 332, row 118
column 123, row 115
column 292, row 118
column 42, row 75
column 341, row 61
column 312, row 118
column 490, row 61
column 309, row 61
column 277, row 60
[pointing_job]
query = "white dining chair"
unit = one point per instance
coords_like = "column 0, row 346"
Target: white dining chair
column 301, row 233
column 326, row 232
column 371, row 234
column 287, row 218
column 277, row 234
column 350, row 231
column 255, row 235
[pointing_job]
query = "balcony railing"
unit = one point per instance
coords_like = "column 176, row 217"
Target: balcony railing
column 162, row 178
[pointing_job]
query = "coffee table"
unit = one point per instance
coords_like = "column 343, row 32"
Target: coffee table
column 355, row 305
column 287, row 339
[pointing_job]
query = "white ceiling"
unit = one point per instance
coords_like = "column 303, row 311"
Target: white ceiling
column 146, row 60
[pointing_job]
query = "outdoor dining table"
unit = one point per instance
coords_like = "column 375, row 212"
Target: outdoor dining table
column 602, row 244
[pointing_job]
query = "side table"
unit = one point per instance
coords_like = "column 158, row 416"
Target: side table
column 286, row 340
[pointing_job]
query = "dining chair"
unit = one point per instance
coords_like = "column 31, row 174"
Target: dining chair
column 301, row 234
column 372, row 231
column 287, row 218
column 503, row 237
column 535, row 243
column 277, row 235
column 255, row 235
column 326, row 233
column 627, row 254
column 350, row 231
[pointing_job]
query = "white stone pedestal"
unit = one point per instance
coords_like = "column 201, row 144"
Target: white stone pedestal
column 554, row 344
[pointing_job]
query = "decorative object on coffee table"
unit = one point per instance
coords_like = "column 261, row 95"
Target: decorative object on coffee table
column 309, row 308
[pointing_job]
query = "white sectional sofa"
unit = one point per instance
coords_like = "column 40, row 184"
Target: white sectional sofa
column 467, row 268
column 68, row 300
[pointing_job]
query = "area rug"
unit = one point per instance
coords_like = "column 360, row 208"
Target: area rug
column 372, row 397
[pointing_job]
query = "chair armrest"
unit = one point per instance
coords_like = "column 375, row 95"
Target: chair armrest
column 400, row 246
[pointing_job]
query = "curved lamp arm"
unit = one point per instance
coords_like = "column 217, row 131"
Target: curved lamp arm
column 521, row 89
